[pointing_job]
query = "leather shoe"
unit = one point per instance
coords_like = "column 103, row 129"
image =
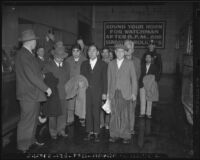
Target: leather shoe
column 88, row 137
column 22, row 151
column 39, row 143
column 126, row 141
column 111, row 139
column 141, row 115
column 63, row 134
column 149, row 116
column 96, row 138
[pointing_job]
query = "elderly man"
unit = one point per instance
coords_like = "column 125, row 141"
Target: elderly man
column 30, row 91
column 136, row 61
column 122, row 90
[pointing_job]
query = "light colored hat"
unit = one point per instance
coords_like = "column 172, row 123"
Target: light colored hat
column 121, row 46
column 59, row 52
column 28, row 35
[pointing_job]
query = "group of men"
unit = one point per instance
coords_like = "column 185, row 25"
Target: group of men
column 116, row 81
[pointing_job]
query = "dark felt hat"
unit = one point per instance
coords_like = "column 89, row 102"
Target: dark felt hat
column 28, row 35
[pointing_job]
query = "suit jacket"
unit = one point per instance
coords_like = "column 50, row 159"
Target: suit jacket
column 29, row 79
column 157, row 60
column 75, row 66
column 137, row 64
column 41, row 63
column 61, row 73
column 97, row 78
column 52, row 107
column 152, row 70
column 127, row 79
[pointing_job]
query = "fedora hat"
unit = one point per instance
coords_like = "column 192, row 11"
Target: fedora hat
column 121, row 46
column 59, row 52
column 28, row 35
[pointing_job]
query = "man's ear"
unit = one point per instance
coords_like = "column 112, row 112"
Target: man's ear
column 97, row 52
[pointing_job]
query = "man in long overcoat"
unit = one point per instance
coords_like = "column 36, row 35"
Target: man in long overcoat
column 30, row 90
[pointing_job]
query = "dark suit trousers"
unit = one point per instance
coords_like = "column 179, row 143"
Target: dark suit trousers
column 93, row 106
column 29, row 112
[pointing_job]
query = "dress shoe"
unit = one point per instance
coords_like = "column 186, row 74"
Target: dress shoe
column 54, row 137
column 107, row 127
column 132, row 132
column 101, row 126
column 112, row 139
column 22, row 151
column 62, row 134
column 39, row 143
column 149, row 116
column 88, row 137
column 141, row 115
column 126, row 141
column 96, row 138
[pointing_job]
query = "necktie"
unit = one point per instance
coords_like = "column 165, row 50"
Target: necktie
column 60, row 65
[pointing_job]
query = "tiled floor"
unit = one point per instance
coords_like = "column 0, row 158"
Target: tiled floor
column 167, row 132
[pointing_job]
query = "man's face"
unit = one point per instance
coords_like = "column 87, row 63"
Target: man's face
column 120, row 53
column 129, row 47
column 151, row 47
column 80, row 42
column 76, row 52
column 93, row 52
column 111, row 55
column 40, row 52
column 105, row 54
column 51, row 36
column 33, row 44
column 148, row 58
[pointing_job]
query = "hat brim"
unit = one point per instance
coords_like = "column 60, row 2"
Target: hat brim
column 30, row 39
column 63, row 55
column 121, row 48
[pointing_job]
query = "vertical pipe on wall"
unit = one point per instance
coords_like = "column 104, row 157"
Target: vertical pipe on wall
column 93, row 23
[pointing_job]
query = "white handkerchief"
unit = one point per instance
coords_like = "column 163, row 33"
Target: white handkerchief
column 106, row 107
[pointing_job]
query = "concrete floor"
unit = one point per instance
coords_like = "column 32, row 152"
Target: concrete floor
column 167, row 132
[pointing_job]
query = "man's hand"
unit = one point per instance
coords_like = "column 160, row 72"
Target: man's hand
column 104, row 96
column 133, row 97
column 49, row 92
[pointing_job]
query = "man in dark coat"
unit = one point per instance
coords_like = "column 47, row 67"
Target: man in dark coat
column 95, row 71
column 49, row 45
column 156, row 57
column 40, row 56
column 60, row 70
column 30, row 90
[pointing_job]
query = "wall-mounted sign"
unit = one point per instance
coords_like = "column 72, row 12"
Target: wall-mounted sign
column 139, row 32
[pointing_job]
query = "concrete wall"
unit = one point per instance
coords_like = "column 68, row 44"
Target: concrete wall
column 63, row 18
column 174, row 14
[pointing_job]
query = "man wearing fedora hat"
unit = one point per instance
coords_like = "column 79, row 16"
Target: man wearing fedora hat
column 30, row 90
column 122, row 90
column 60, row 70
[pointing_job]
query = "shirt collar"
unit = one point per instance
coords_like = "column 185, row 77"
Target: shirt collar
column 42, row 58
column 121, row 60
column 93, row 61
column 28, row 49
column 76, row 59
column 61, row 63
